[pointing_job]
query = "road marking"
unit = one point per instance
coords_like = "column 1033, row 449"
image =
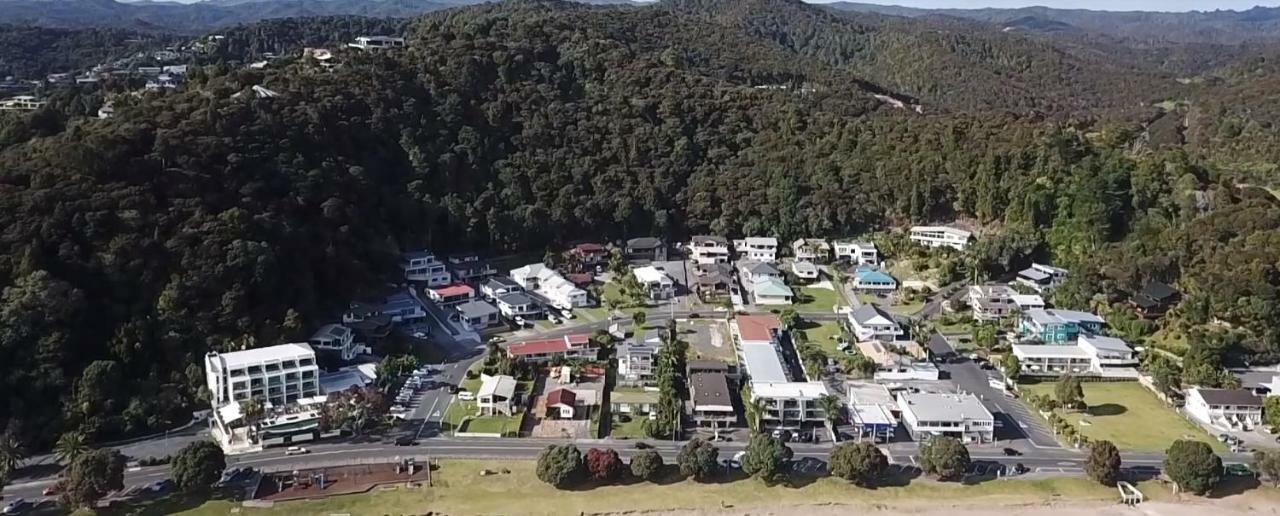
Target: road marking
column 913, row 460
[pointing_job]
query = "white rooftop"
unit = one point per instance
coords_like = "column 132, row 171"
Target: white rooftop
column 944, row 229
column 760, row 241
column 501, row 385
column 763, row 363
column 876, row 415
column 929, row 406
column 806, row 390
column 1104, row 343
column 1028, row 300
column 268, row 354
column 1047, row 351
column 651, row 274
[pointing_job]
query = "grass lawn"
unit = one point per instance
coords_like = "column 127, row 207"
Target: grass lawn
column 865, row 298
column 453, row 420
column 458, row 488
column 1169, row 340
column 823, row 335
column 816, row 299
column 1128, row 415
column 957, row 328
column 633, row 429
column 906, row 308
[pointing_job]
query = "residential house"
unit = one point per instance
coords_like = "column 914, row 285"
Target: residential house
column 753, row 271
column 565, row 403
column 1155, row 299
column 1107, row 352
column 713, row 279
column 1225, row 409
column 449, row 295
column 548, row 283
column 804, row 270
column 633, row 401
column 711, row 399
column 813, row 250
column 403, row 307
column 1043, row 278
column 705, row 249
column 479, row 315
column 760, row 249
column 771, row 291
column 470, row 268
column 871, row 279
column 995, row 302
column 790, row 404
column 1047, row 360
column 496, row 394
column 636, row 359
column 590, row 254
column 869, row 322
column 22, row 103
column 372, row 330
column 377, row 43
column 423, row 266
column 518, row 304
column 1053, row 326
column 939, row 236
column 962, row 416
column 857, row 252
column 498, row 286
column 646, row 249
column 568, row 346
column 657, row 284
column 336, row 339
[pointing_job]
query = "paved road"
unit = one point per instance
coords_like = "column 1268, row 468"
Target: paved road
column 1017, row 420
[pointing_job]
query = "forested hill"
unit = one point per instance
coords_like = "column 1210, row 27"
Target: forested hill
column 201, row 219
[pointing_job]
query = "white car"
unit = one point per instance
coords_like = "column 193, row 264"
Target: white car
column 568, row 314
column 553, row 319
column 15, row 506
column 520, row 321
column 466, row 395
column 296, row 450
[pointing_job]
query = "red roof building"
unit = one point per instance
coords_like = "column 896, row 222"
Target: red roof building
column 757, row 328
column 561, row 397
column 569, row 346
column 451, row 294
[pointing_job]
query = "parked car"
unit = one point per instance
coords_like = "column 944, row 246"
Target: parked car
column 1010, row 452
column 406, row 441
column 641, row 445
column 1019, row 469
column 553, row 319
column 296, row 450
column 16, row 506
column 466, row 395
column 50, row 491
column 520, row 321
column 568, row 314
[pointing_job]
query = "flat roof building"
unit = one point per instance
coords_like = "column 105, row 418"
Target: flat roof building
column 962, row 416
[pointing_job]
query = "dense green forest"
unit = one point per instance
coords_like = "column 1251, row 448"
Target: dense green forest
column 198, row 220
column 28, row 52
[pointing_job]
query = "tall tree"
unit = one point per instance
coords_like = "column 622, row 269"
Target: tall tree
column 604, row 465
column 197, row 466
column 944, row 457
column 1103, row 464
column 861, row 463
column 647, row 464
column 767, row 458
column 1069, row 392
column 12, row 453
column 560, row 465
column 1192, row 466
column 92, row 476
column 70, row 446
column 699, row 460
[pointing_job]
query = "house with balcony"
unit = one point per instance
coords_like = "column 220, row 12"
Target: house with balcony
column 645, row 250
column 338, row 340
column 1053, row 326
column 496, row 395
column 403, row 307
column 377, row 43
column 713, row 279
column 657, row 284
column 470, row 268
column 789, row 400
column 1042, row 278
column 995, row 302
column 962, row 416
column 805, row 271
column 1154, row 300
column 813, row 250
column 753, row 271
column 590, row 254
column 498, row 286
column 707, row 249
column 711, row 400
column 1225, row 409
column 450, row 295
column 479, row 315
column 636, row 359
column 1047, row 360
column 874, row 280
column 760, row 249
column 941, row 236
column 856, row 252
column 1107, row 352
column 548, row 283
column 518, row 304
column 423, row 266
column 286, row 380
column 869, row 322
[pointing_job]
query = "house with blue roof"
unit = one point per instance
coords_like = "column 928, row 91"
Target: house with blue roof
column 1053, row 326
column 871, row 279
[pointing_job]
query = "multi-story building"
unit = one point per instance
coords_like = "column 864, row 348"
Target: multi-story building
column 1043, row 278
column 478, row 315
column 939, row 236
column 276, row 374
column 657, row 284
column 995, row 302
column 590, row 254
column 1053, row 326
column 470, row 268
column 423, row 266
column 789, row 400
column 962, row 416
column 856, row 252
column 1045, row 360
column 1226, row 409
column 760, row 249
column 636, row 359
column 377, row 43
column 869, row 322
column 517, row 304
column 548, row 283
column 498, row 286
column 450, row 295
column 1107, row 352
column 813, row 250
column 646, row 249
column 705, row 249
column 336, row 338
column 870, row 279
column 22, row 103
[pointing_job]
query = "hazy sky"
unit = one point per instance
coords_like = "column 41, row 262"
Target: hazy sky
column 1106, row 5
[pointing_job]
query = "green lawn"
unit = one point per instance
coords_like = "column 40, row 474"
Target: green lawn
column 865, row 298
column 455, row 420
column 1128, row 415
column 458, row 488
column 633, row 429
column 823, row 334
column 906, row 308
column 816, row 299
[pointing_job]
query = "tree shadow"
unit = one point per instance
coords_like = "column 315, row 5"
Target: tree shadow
column 35, row 471
column 1233, row 486
column 980, row 471
column 898, row 475
column 1106, row 409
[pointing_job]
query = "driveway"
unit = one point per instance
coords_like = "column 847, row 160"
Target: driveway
column 1018, row 421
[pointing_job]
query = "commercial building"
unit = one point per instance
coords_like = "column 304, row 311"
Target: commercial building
column 856, row 252
column 874, row 422
column 1053, row 326
column 788, row 400
column 962, row 416
column 423, row 266
column 706, row 249
column 284, row 378
column 940, row 236
column 1225, row 409
column 761, row 249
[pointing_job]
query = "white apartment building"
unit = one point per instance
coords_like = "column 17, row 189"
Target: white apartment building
column 1107, row 352
column 856, row 252
column 938, row 236
column 548, row 283
column 788, row 403
column 377, row 42
column 1225, row 409
column 278, row 374
column 705, row 249
column 761, row 249
column 1053, row 360
column 22, row 103
column 995, row 302
column 424, row 266
column 962, row 416
column 636, row 360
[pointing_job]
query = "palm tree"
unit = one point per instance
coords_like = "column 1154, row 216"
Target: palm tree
column 755, row 412
column 253, row 411
column 12, row 453
column 830, row 406
column 70, row 446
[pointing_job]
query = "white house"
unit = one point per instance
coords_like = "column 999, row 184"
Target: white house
column 804, row 270
column 338, row 339
column 496, row 394
column 22, row 103
column 377, row 42
column 548, row 283
column 1107, row 351
column 761, row 249
column 424, row 266
column 1042, row 278
column 1226, row 409
column 856, row 252
column 636, row 360
column 498, row 286
column 995, row 302
column 771, row 291
column 811, row 250
column 705, row 249
column 938, row 236
column 869, row 322
column 1050, row 360
column 655, row 281
column 962, row 416
column 752, row 271
column 871, row 279
column 517, row 304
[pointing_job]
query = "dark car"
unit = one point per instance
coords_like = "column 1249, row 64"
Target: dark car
column 1020, row 469
column 1010, row 452
column 406, row 441
column 641, row 445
